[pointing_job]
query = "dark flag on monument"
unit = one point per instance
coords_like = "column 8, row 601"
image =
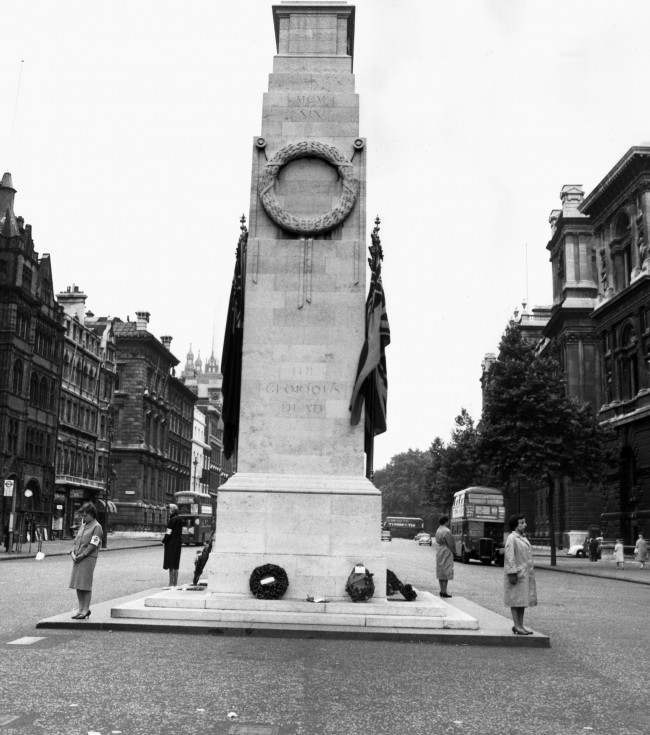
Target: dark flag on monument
column 371, row 383
column 233, row 340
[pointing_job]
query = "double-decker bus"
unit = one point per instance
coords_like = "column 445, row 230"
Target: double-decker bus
column 195, row 509
column 403, row 526
column 477, row 524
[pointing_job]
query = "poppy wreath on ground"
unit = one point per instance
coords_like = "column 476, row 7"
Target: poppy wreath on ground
column 268, row 582
column 360, row 586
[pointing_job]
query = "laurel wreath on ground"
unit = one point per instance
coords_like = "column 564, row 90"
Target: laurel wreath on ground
column 360, row 585
column 268, row 582
column 308, row 225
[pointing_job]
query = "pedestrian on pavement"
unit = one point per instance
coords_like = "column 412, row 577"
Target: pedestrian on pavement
column 593, row 548
column 172, row 541
column 520, row 590
column 619, row 557
column 444, row 555
column 84, row 557
column 641, row 550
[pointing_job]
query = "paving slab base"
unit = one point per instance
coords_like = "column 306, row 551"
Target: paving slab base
column 427, row 620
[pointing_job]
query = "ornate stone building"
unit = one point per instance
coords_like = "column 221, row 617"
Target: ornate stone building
column 31, row 340
column 152, row 427
column 206, row 383
column 619, row 211
column 88, row 377
column 600, row 319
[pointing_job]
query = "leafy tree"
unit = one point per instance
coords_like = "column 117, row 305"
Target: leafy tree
column 530, row 429
column 423, row 483
column 404, row 484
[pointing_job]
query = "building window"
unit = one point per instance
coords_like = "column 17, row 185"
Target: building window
column 628, row 376
column 23, row 324
column 12, row 436
column 18, row 378
column 27, row 278
column 33, row 389
column 44, row 394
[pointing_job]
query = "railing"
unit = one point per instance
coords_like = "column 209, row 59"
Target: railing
column 83, row 481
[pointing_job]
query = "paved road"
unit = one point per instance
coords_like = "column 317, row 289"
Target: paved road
column 594, row 676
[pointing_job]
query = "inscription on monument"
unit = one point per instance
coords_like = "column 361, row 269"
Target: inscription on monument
column 329, row 389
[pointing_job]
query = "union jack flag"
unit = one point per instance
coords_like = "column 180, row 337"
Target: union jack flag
column 371, row 383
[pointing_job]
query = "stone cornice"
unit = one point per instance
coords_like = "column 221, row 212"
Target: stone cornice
column 623, row 301
column 572, row 225
column 633, row 168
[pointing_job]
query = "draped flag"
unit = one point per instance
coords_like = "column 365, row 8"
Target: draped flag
column 231, row 356
column 371, row 383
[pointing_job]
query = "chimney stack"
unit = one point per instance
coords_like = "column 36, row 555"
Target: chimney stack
column 142, row 320
column 7, row 193
column 571, row 196
column 73, row 301
column 166, row 340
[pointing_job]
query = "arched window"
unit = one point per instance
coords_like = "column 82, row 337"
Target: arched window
column 33, row 388
column 44, row 394
column 18, row 378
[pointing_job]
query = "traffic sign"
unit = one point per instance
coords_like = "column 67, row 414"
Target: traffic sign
column 9, row 488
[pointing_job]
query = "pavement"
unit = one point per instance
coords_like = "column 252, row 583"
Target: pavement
column 604, row 568
column 56, row 547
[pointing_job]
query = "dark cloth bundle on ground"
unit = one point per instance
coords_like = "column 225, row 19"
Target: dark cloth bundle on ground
column 394, row 585
column 201, row 560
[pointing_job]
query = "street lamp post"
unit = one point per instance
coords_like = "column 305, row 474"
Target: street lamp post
column 196, row 462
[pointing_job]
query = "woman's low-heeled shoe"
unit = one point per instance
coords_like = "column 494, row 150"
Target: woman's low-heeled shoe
column 82, row 616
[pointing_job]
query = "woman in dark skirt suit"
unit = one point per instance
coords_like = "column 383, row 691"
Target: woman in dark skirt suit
column 172, row 541
column 84, row 557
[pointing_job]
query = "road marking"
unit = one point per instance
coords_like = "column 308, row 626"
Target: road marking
column 7, row 719
column 26, row 640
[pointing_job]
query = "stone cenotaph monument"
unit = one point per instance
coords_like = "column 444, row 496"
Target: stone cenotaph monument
column 300, row 498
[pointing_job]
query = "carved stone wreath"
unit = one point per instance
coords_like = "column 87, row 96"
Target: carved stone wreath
column 308, row 225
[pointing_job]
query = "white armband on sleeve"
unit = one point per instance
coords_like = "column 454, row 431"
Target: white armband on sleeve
column 168, row 532
column 95, row 540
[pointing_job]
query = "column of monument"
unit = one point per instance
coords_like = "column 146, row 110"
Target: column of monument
column 299, row 498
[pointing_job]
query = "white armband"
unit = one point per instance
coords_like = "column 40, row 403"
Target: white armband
column 95, row 540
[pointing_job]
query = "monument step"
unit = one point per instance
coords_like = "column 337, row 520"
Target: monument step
column 427, row 614
column 426, row 604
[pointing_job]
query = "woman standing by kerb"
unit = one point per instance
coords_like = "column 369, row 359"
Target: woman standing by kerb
column 84, row 557
column 520, row 591
column 444, row 555
column 172, row 540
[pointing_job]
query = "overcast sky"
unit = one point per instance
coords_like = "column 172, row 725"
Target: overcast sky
column 130, row 147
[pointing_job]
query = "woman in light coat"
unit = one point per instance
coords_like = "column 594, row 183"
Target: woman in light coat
column 84, row 557
column 520, row 591
column 444, row 555
column 619, row 553
column 641, row 550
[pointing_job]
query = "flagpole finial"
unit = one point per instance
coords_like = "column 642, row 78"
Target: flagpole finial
column 243, row 222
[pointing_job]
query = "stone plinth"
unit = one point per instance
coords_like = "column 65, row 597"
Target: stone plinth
column 316, row 527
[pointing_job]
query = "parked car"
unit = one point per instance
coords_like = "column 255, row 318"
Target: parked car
column 424, row 539
column 574, row 543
